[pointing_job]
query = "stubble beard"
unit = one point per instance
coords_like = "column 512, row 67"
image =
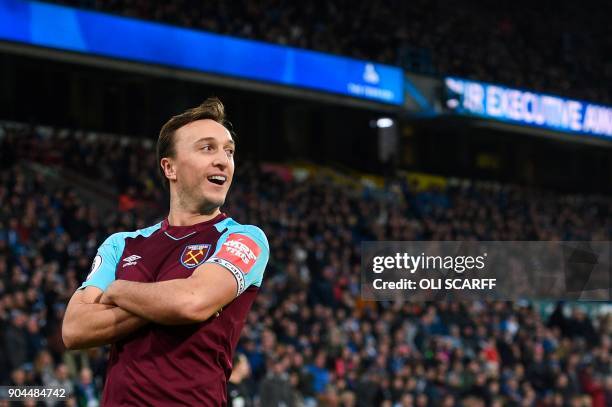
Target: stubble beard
column 206, row 206
column 198, row 201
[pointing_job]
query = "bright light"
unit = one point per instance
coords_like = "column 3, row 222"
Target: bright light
column 452, row 103
column 384, row 122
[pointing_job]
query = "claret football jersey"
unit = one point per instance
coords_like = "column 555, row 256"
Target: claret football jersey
column 162, row 365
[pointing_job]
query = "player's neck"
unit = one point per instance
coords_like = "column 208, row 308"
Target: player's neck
column 182, row 218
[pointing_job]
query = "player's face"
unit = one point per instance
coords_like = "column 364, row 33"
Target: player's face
column 204, row 164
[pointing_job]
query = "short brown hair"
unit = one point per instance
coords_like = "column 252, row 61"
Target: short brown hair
column 211, row 108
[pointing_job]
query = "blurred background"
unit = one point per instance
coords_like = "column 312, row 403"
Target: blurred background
column 355, row 120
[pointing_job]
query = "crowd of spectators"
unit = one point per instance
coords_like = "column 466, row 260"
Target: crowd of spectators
column 557, row 47
column 309, row 339
column 118, row 164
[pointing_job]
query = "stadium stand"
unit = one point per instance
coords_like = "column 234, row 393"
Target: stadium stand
column 309, row 338
column 557, row 47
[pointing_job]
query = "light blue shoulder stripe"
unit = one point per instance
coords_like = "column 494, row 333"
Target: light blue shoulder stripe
column 109, row 253
column 234, row 227
column 225, row 223
column 118, row 239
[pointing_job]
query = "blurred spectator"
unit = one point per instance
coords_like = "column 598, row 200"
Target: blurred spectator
column 85, row 389
column 238, row 393
column 276, row 389
column 319, row 372
column 62, row 380
column 16, row 340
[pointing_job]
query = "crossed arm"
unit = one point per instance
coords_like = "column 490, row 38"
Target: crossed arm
column 94, row 317
column 88, row 323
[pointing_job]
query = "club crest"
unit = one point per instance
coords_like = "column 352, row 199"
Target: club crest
column 194, row 255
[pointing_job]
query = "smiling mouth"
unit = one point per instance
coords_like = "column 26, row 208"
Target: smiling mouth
column 217, row 179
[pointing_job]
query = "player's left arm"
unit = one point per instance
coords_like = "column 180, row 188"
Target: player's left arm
column 238, row 262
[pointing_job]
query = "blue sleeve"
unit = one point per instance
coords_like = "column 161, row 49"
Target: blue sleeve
column 102, row 271
column 246, row 274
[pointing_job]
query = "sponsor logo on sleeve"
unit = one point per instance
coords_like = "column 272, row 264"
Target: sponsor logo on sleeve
column 241, row 251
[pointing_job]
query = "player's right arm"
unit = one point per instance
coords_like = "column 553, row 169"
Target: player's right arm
column 87, row 322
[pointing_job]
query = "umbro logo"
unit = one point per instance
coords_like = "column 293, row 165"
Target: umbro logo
column 131, row 260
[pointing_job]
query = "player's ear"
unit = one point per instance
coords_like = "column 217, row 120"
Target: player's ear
column 168, row 168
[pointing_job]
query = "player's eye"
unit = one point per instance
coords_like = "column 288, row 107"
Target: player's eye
column 230, row 152
column 207, row 147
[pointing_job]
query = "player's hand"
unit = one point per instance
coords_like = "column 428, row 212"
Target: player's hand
column 106, row 300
